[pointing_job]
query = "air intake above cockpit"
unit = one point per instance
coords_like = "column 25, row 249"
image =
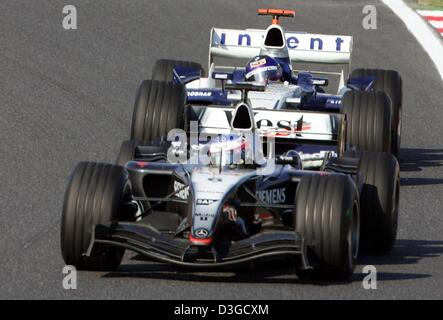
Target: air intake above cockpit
column 274, row 38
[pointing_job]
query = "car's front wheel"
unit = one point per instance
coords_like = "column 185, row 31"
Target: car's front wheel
column 95, row 195
column 164, row 68
column 327, row 216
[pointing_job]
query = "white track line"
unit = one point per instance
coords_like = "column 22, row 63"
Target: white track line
column 431, row 12
column 421, row 31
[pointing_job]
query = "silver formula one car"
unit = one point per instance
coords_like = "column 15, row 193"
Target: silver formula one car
column 236, row 181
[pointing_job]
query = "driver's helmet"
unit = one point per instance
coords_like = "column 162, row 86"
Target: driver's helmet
column 263, row 69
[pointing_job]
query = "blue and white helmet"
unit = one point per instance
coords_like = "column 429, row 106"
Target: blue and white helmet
column 263, row 69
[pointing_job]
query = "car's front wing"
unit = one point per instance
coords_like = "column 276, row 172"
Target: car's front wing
column 146, row 240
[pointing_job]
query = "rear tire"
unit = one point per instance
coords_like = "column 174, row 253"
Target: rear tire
column 389, row 82
column 379, row 198
column 95, row 195
column 327, row 217
column 368, row 116
column 163, row 68
column 159, row 107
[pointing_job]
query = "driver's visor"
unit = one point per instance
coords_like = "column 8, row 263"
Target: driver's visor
column 262, row 75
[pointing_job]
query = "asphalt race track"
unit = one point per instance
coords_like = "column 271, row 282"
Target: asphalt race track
column 67, row 96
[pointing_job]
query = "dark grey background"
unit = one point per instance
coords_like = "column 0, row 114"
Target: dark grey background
column 67, row 96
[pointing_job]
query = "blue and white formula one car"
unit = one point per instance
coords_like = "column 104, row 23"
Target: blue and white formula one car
column 370, row 98
column 261, row 167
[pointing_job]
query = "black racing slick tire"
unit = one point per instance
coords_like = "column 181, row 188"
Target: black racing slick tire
column 163, row 68
column 327, row 217
column 127, row 152
column 379, row 178
column 389, row 82
column 368, row 116
column 95, row 195
column 159, row 107
column 135, row 149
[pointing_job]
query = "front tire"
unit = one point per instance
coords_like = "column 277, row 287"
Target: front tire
column 163, row 68
column 134, row 149
column 127, row 152
column 327, row 217
column 95, row 195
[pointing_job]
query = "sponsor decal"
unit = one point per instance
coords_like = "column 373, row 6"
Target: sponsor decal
column 199, row 93
column 222, row 76
column 319, row 82
column 284, row 124
column 205, row 202
column 294, row 41
column 215, row 179
column 183, row 193
column 253, row 72
column 201, row 233
column 204, row 215
column 333, row 101
column 208, row 191
column 272, row 196
column 258, row 63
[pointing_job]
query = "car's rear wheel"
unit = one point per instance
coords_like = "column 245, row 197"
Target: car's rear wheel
column 389, row 82
column 95, row 195
column 379, row 198
column 368, row 116
column 327, row 217
column 163, row 68
column 159, row 108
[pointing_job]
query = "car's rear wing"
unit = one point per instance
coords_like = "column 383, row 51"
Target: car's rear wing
column 302, row 47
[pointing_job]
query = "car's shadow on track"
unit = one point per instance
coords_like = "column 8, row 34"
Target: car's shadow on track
column 414, row 160
column 405, row 252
